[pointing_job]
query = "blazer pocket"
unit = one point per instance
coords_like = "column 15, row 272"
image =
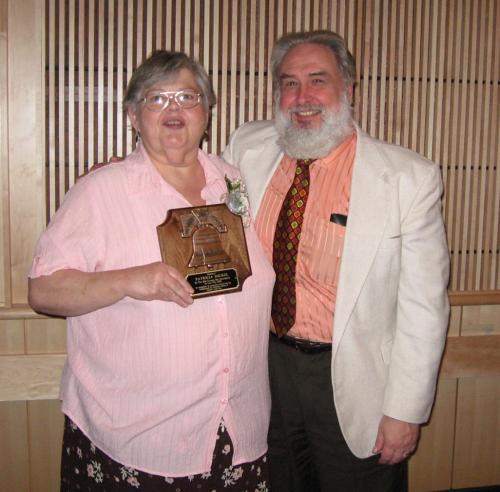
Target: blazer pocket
column 390, row 243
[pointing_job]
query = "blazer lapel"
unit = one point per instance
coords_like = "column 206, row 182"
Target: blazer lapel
column 257, row 168
column 367, row 220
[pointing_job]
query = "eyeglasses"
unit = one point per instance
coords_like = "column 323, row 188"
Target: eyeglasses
column 158, row 101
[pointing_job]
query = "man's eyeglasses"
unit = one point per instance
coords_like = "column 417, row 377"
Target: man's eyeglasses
column 158, row 101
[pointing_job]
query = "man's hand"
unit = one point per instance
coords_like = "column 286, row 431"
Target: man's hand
column 396, row 440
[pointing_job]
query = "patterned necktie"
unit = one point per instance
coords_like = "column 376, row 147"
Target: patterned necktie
column 285, row 249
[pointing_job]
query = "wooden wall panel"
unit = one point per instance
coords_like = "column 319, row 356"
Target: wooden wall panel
column 477, row 447
column 4, row 155
column 46, row 336
column 30, row 446
column 455, row 321
column 470, row 356
column 11, row 336
column 26, row 138
column 481, row 320
column 30, row 377
column 37, row 378
column 14, row 453
column 46, row 423
column 431, row 467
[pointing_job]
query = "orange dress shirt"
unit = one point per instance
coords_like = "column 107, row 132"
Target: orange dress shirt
column 321, row 243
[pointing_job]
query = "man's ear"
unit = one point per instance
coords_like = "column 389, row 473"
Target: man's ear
column 350, row 93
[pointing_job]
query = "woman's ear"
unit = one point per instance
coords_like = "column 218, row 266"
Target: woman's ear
column 208, row 124
column 132, row 116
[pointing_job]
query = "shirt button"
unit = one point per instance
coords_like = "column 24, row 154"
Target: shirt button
column 226, row 369
column 225, row 334
column 223, row 401
column 220, row 300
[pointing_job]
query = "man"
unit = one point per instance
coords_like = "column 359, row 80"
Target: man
column 360, row 305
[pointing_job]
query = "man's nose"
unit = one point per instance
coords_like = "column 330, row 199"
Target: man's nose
column 303, row 94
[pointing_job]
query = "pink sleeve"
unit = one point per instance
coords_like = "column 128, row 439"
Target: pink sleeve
column 74, row 238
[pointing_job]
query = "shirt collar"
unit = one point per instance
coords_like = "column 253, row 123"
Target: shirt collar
column 335, row 155
column 143, row 177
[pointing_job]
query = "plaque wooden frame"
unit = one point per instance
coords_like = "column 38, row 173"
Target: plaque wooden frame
column 207, row 244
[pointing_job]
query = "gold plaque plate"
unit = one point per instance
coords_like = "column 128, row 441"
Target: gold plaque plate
column 207, row 244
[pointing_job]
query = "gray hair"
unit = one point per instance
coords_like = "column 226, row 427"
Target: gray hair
column 331, row 40
column 163, row 66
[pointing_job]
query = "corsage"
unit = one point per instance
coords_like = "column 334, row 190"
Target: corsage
column 236, row 199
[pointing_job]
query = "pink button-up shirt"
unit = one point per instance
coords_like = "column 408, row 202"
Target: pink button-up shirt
column 149, row 382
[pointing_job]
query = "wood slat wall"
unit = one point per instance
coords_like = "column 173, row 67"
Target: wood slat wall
column 428, row 79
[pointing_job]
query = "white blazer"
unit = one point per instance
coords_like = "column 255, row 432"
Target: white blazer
column 392, row 309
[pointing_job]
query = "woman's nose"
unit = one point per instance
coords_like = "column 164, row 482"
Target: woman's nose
column 172, row 105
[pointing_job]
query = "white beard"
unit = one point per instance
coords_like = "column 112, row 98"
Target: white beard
column 314, row 143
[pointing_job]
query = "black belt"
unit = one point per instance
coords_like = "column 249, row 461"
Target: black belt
column 306, row 346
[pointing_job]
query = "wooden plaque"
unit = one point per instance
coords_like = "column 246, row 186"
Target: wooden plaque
column 207, row 244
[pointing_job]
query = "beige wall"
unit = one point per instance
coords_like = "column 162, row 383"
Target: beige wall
column 428, row 79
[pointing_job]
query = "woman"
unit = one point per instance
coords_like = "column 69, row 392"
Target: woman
column 160, row 393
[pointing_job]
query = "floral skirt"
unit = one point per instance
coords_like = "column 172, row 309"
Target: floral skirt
column 84, row 467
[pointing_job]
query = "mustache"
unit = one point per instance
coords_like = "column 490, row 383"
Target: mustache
column 306, row 107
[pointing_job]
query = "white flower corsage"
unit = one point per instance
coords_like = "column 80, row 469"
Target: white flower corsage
column 236, row 199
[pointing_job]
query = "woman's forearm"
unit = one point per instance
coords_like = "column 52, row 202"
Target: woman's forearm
column 73, row 293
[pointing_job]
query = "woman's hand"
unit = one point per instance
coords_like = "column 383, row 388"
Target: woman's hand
column 157, row 281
